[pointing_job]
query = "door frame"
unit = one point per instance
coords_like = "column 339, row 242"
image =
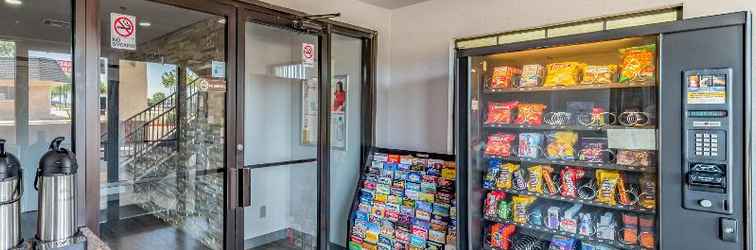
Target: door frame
column 283, row 18
column 87, row 46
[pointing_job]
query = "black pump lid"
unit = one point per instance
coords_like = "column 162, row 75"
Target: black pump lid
column 10, row 167
column 57, row 160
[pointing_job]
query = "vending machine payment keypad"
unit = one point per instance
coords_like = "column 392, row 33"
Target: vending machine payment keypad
column 707, row 104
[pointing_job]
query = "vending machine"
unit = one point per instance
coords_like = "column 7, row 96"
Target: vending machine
column 629, row 138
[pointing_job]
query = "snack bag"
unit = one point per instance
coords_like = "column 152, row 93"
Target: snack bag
column 503, row 76
column 500, row 145
column 563, row 74
column 529, row 145
column 530, row 114
column 648, row 191
column 519, row 181
column 638, row 63
column 499, row 235
column 607, row 186
column 532, row 75
column 570, row 179
column 535, row 178
column 599, row 74
column 647, row 237
column 638, row 158
column 561, row 145
column 630, row 229
column 520, row 204
column 504, row 211
column 500, row 112
column 492, row 200
column 593, row 149
column 506, row 172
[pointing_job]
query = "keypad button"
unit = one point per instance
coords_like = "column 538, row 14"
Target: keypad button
column 707, row 144
column 699, row 135
column 707, row 154
column 699, row 153
column 714, row 154
column 714, row 149
column 707, row 149
column 714, row 135
column 699, row 149
column 699, row 140
column 707, row 135
column 714, row 141
column 699, row 144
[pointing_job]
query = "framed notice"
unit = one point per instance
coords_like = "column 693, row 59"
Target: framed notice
column 309, row 123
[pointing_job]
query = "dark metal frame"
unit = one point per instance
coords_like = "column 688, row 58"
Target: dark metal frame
column 462, row 58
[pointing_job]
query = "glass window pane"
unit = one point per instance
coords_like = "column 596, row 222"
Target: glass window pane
column 280, row 138
column 162, row 100
column 35, row 91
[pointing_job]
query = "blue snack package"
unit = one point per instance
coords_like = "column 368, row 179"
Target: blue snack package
column 489, row 180
column 423, row 205
column 417, row 241
column 414, row 186
column 559, row 242
column 414, row 177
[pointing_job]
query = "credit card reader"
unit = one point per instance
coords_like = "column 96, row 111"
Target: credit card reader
column 707, row 125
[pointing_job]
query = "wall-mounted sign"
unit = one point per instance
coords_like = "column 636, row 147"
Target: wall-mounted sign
column 218, row 69
column 308, row 54
column 122, row 31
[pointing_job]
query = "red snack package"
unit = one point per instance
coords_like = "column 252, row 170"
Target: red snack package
column 500, row 112
column 503, row 77
column 570, row 178
column 530, row 114
column 499, row 144
column 492, row 200
column 500, row 234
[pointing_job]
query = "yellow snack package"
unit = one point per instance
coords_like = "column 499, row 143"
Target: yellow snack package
column 563, row 74
column 561, row 145
column 535, row 179
column 638, row 63
column 607, row 181
column 599, row 74
column 520, row 205
column 504, row 181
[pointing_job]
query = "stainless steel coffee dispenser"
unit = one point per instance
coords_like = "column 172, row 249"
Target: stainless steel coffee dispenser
column 10, row 197
column 56, row 183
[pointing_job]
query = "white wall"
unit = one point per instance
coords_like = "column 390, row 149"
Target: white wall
column 421, row 36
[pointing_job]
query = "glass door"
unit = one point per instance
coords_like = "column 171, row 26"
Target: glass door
column 279, row 103
column 563, row 147
column 163, row 87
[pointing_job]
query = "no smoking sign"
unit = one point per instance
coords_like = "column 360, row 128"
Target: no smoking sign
column 308, row 54
column 122, row 31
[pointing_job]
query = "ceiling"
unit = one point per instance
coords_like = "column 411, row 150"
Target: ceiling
column 392, row 4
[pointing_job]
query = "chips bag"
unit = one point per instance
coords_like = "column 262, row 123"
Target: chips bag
column 638, row 64
column 599, row 74
column 503, row 76
column 489, row 181
column 504, row 211
column 648, row 191
column 520, row 204
column 570, row 179
column 529, row 145
column 532, row 75
column 504, row 181
column 500, row 145
column 499, row 236
column 607, row 186
column 500, row 112
column 530, row 114
column 561, row 145
column 519, row 181
column 563, row 74
column 492, row 200
column 535, row 178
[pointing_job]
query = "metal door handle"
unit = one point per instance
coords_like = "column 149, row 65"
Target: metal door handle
column 245, row 185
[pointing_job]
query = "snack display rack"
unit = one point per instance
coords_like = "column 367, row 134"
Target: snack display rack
column 564, row 145
column 405, row 200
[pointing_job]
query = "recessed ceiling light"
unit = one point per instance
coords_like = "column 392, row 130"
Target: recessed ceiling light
column 13, row 2
column 222, row 20
column 145, row 24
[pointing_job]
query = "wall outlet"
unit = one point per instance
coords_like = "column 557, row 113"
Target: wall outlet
column 262, row 211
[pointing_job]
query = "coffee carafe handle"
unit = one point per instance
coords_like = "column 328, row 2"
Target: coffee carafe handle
column 55, row 144
column 2, row 147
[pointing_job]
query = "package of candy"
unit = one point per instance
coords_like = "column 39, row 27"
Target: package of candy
column 548, row 179
column 445, row 185
column 519, row 180
column 594, row 149
column 504, row 210
column 492, row 200
column 570, row 178
column 563, row 74
column 553, row 217
column 559, row 242
column 638, row 63
column 532, row 75
column 638, row 158
column 561, row 145
column 606, row 226
column 529, row 145
column 506, row 172
column 500, row 112
column 530, row 114
column 607, row 181
column 647, row 197
column 503, row 77
column 569, row 222
column 535, row 179
column 630, row 229
column 599, row 74
column 520, row 204
column 586, row 227
column 500, row 145
column 499, row 235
